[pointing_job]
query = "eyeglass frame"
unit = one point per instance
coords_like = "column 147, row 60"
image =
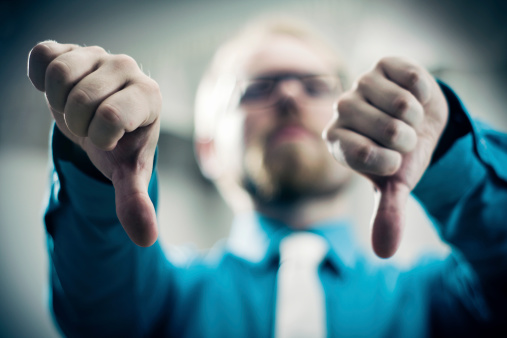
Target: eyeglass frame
column 279, row 78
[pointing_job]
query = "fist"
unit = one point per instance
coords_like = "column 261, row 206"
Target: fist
column 386, row 128
column 93, row 94
column 108, row 107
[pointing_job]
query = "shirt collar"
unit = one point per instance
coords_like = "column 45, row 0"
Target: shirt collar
column 256, row 238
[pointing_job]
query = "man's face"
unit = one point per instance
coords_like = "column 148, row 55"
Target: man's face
column 286, row 92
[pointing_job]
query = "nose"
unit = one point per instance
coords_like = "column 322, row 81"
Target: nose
column 289, row 88
column 288, row 96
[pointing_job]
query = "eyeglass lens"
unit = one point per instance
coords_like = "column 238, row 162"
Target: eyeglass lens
column 262, row 91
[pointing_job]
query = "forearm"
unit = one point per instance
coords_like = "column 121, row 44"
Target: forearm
column 99, row 277
column 464, row 191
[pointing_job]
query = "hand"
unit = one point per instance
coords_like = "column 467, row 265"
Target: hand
column 105, row 104
column 386, row 128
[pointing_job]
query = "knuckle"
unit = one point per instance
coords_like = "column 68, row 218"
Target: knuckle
column 80, row 97
column 413, row 76
column 96, row 50
column 364, row 82
column 344, row 105
column 122, row 61
column 330, row 134
column 41, row 52
column 58, row 71
column 363, row 155
column 392, row 132
column 149, row 85
column 400, row 106
column 383, row 62
column 108, row 115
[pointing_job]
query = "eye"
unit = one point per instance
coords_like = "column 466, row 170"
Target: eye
column 318, row 85
column 257, row 90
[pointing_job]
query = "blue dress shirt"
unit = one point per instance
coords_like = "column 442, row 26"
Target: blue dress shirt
column 104, row 285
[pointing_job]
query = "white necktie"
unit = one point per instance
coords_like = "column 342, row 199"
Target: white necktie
column 300, row 306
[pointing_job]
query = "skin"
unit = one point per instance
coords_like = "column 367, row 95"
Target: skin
column 405, row 113
column 386, row 128
column 111, row 110
column 288, row 123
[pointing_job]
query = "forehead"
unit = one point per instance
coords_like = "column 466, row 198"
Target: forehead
column 282, row 53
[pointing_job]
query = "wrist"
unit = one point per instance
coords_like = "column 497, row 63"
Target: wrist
column 67, row 150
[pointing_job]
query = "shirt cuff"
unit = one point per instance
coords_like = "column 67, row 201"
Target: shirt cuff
column 458, row 124
column 467, row 151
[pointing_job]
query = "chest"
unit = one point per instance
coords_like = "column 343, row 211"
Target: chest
column 235, row 301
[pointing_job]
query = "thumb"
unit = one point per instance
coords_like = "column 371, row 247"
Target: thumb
column 388, row 219
column 134, row 208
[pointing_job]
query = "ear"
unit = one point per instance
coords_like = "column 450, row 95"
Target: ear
column 207, row 158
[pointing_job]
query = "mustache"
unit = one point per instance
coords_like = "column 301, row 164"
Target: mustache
column 274, row 131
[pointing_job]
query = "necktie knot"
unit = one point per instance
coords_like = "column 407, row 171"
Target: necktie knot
column 304, row 247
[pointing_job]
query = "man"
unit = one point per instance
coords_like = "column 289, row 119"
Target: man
column 290, row 267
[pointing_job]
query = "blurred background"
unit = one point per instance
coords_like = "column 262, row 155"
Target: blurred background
column 462, row 42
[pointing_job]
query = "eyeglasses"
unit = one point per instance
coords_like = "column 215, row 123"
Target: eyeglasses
column 310, row 89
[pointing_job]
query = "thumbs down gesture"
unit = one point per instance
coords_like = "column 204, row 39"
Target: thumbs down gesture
column 110, row 109
column 386, row 127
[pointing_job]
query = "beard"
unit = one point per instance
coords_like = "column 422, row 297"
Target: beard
column 288, row 172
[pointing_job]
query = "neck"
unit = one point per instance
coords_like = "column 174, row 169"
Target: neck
column 304, row 213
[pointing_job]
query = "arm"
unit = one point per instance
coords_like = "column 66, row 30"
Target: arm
column 102, row 283
column 464, row 191
column 109, row 108
column 387, row 128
